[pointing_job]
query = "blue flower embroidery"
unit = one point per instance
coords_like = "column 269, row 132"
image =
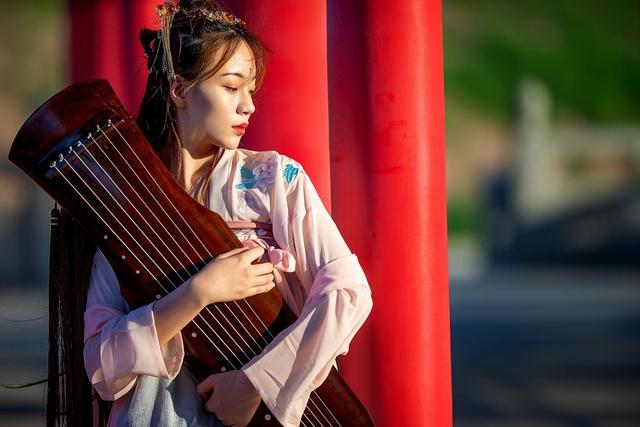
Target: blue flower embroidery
column 247, row 178
column 290, row 171
column 261, row 176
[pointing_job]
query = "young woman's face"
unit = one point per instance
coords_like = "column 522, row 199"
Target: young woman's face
column 217, row 109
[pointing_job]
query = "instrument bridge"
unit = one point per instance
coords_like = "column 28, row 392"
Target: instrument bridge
column 67, row 150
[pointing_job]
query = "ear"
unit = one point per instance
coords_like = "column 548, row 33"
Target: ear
column 177, row 92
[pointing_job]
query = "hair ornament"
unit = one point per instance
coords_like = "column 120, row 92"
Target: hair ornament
column 166, row 11
column 222, row 16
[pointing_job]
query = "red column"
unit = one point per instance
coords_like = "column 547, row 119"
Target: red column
column 350, row 145
column 389, row 198
column 292, row 114
column 387, row 161
column 292, row 106
column 104, row 44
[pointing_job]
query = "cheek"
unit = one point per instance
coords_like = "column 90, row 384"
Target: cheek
column 203, row 108
column 213, row 111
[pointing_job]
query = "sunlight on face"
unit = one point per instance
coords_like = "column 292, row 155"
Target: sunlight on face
column 215, row 106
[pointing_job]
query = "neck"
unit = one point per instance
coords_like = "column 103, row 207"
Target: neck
column 196, row 154
column 195, row 167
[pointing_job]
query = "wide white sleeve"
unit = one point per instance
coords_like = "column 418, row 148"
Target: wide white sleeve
column 339, row 299
column 120, row 344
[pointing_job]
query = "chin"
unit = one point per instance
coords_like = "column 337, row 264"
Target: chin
column 228, row 144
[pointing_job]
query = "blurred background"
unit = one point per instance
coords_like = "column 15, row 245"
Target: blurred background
column 543, row 167
column 543, row 158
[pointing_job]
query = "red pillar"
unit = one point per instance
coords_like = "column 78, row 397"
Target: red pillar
column 292, row 106
column 350, row 142
column 292, row 114
column 389, row 198
column 104, row 44
column 387, row 161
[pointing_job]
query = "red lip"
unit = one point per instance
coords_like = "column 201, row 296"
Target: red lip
column 240, row 129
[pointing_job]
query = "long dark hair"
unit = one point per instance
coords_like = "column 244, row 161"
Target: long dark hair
column 194, row 44
column 195, row 41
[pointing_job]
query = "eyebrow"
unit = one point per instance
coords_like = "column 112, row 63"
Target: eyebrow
column 234, row 74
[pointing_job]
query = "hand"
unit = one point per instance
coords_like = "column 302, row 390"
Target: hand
column 231, row 396
column 231, row 276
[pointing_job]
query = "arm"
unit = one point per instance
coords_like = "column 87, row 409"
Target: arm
column 338, row 302
column 300, row 358
column 229, row 277
column 120, row 345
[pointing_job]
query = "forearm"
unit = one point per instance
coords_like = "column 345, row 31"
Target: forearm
column 175, row 310
column 301, row 356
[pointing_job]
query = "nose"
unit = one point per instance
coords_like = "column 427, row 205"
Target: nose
column 246, row 105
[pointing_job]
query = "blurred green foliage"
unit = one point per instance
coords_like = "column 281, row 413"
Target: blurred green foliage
column 463, row 217
column 35, row 6
column 587, row 52
column 33, row 50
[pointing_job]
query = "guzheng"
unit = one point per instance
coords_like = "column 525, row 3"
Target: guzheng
column 85, row 150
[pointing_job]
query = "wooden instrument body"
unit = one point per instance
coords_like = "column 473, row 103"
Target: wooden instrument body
column 84, row 149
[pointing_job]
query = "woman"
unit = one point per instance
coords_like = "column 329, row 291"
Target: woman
column 204, row 70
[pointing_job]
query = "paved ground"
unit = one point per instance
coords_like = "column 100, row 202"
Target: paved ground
column 530, row 349
column 23, row 357
column 554, row 348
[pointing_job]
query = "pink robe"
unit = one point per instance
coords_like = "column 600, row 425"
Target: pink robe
column 325, row 286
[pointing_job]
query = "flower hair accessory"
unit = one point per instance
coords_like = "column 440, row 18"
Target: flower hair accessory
column 166, row 12
column 222, row 16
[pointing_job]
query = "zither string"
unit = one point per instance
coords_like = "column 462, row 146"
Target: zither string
column 148, row 239
column 155, row 232
column 206, row 249
column 198, row 239
column 128, row 249
column 145, row 236
column 188, row 226
column 191, row 261
column 314, row 393
column 179, row 215
column 137, row 258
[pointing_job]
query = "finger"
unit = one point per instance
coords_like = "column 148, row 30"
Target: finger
column 210, row 405
column 259, row 289
column 264, row 279
column 206, row 386
column 230, row 253
column 262, row 268
column 251, row 254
